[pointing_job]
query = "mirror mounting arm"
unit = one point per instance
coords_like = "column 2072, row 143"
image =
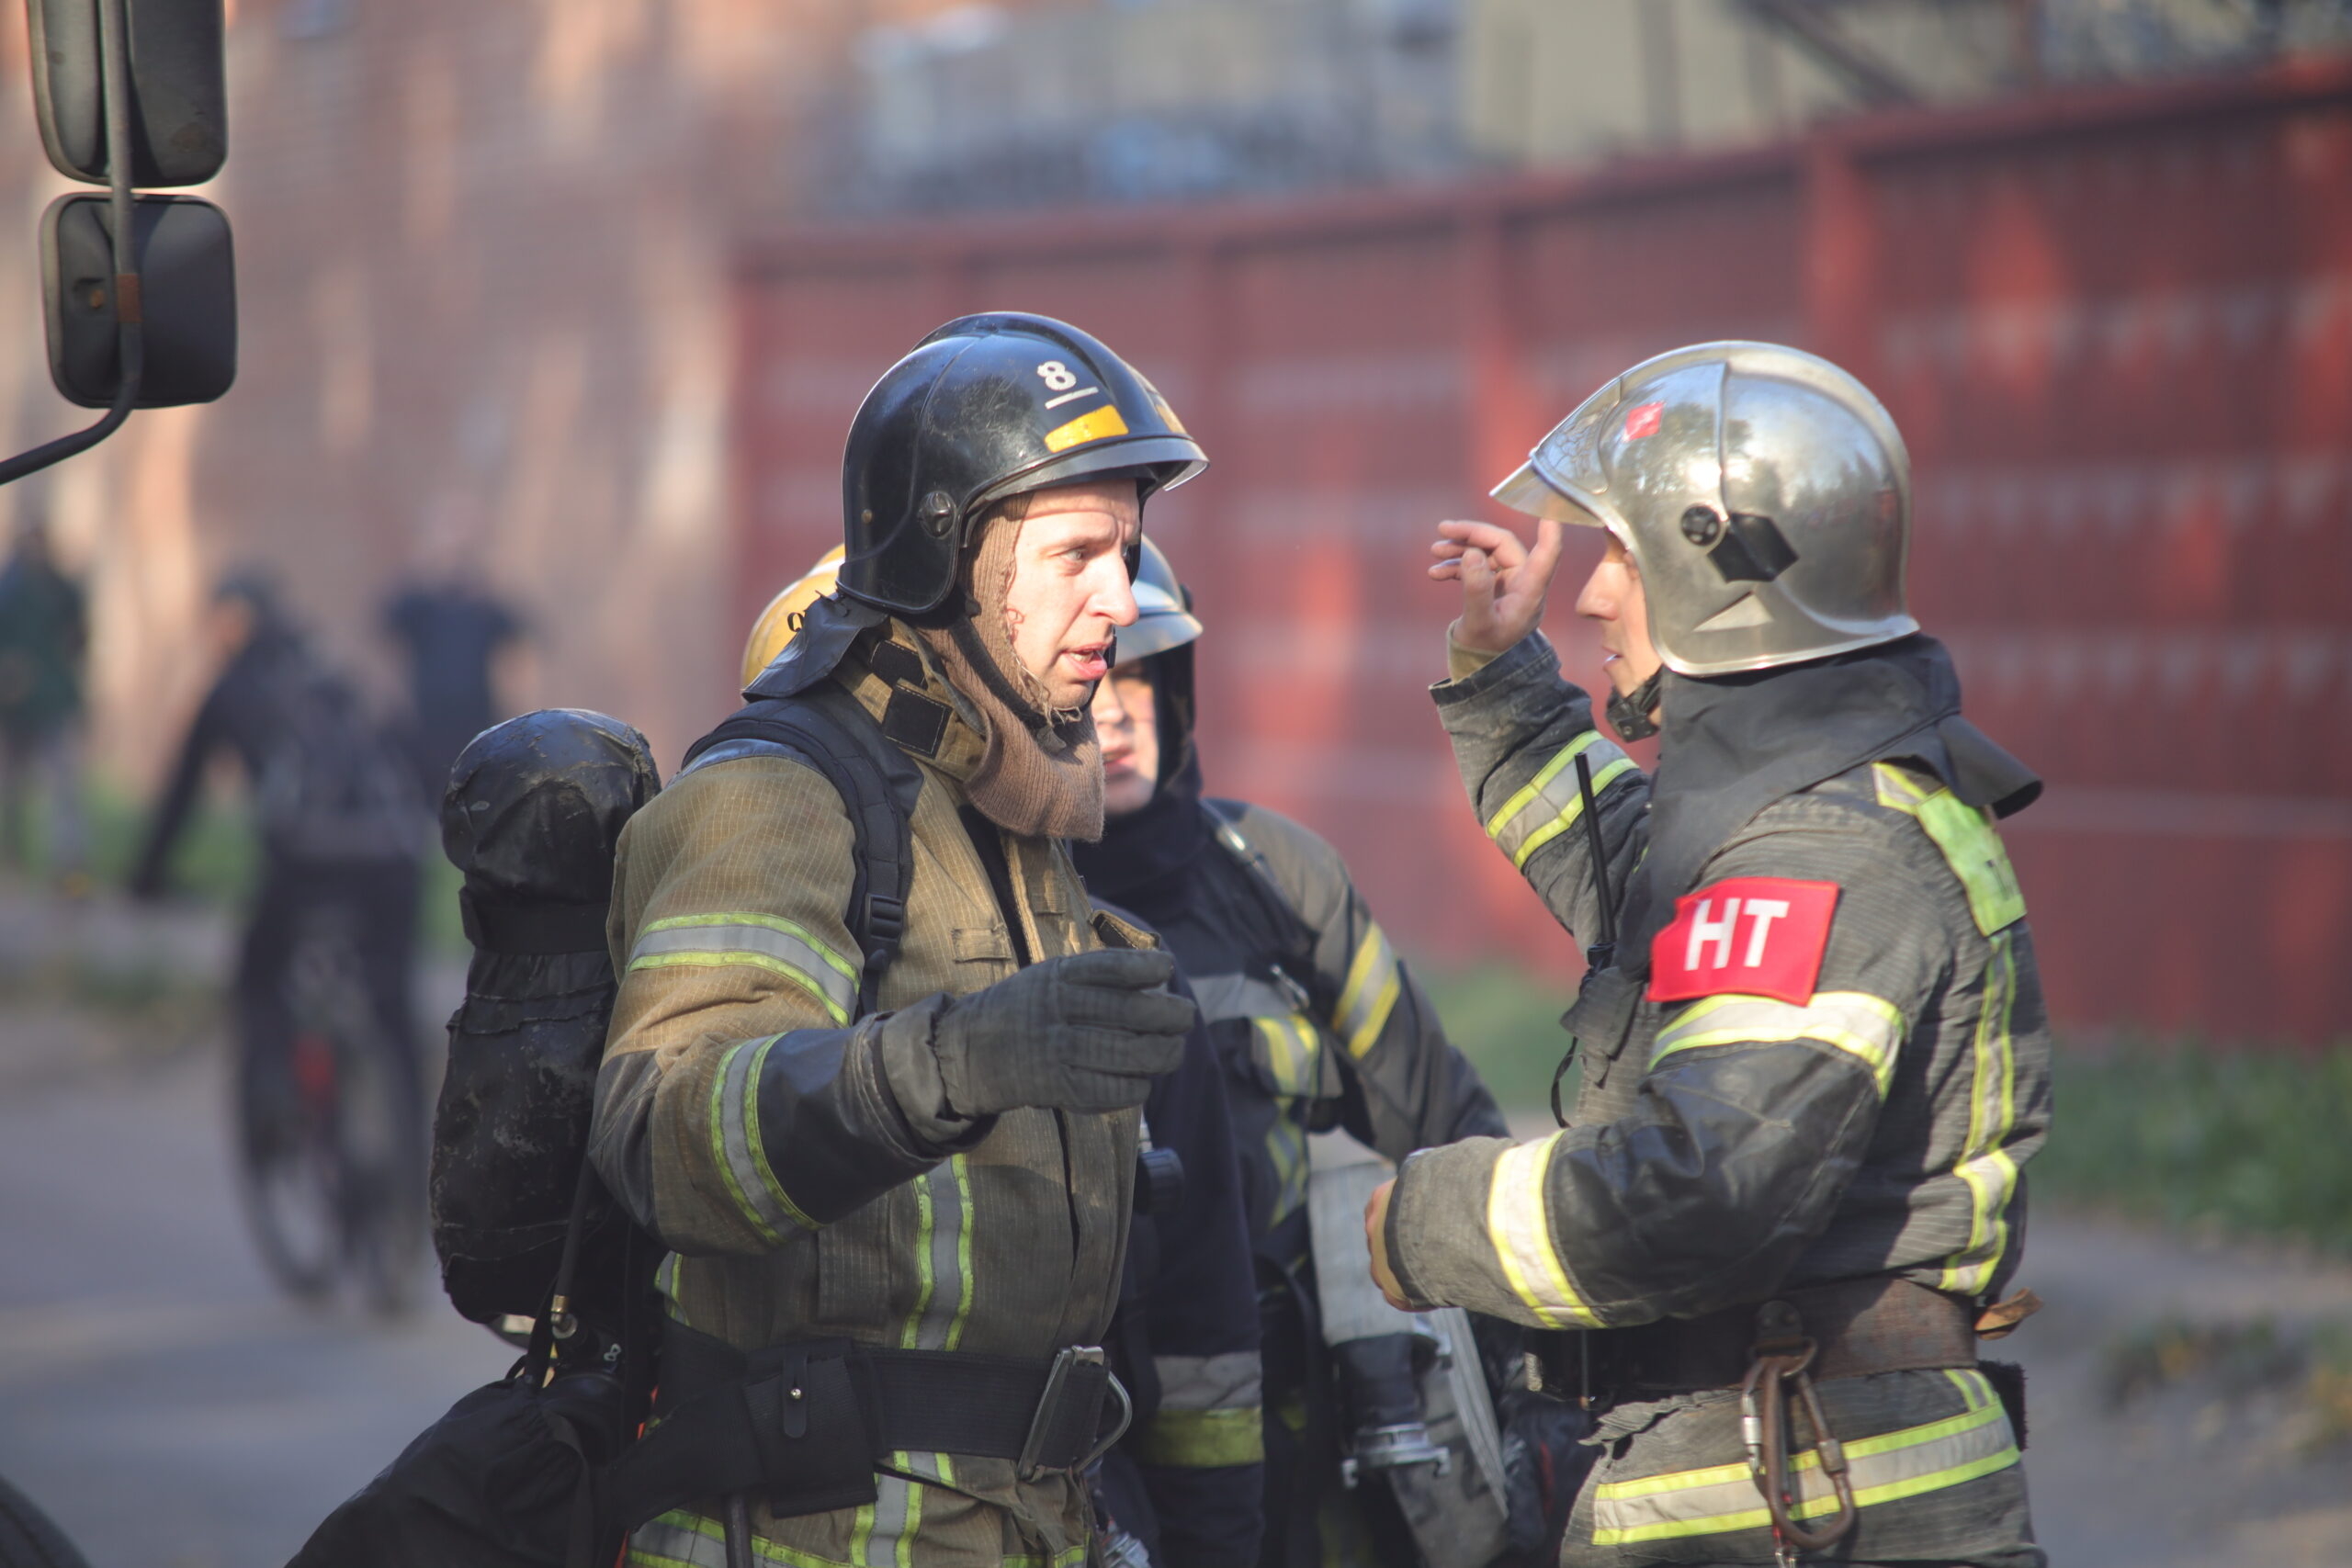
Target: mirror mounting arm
column 130, row 332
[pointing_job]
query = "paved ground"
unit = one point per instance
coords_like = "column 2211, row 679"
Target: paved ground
column 156, row 1396
column 173, row 1411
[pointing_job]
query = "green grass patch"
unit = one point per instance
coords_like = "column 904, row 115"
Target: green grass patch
column 217, row 855
column 1509, row 1025
column 2242, row 1143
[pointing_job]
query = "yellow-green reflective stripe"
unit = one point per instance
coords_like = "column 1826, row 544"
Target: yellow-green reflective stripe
column 1519, row 1225
column 802, row 937
column 682, row 1540
column 1984, row 1164
column 925, row 1282
column 1883, row 1469
column 801, row 978
column 1854, row 1021
column 665, row 1279
column 963, row 1264
column 735, row 1144
column 1567, row 815
column 1370, row 994
column 1291, row 1049
column 1286, row 1146
column 1068, row 1557
column 1564, row 799
column 1202, row 1439
column 1971, row 846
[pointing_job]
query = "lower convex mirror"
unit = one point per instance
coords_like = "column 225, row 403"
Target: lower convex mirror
column 189, row 299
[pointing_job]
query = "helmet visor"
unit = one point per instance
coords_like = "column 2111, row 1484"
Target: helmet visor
column 1528, row 491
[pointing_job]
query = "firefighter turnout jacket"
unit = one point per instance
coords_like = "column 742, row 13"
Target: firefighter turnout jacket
column 822, row 1201
column 1318, row 1025
column 1820, row 1057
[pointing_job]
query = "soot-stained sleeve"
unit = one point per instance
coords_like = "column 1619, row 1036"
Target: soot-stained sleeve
column 1752, row 1116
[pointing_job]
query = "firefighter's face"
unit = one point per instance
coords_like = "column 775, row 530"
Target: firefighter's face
column 1612, row 597
column 1069, row 590
column 1127, row 720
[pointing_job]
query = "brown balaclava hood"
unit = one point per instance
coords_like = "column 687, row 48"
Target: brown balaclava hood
column 1042, row 772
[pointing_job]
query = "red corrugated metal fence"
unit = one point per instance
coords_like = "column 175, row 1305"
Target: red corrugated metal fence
column 2116, row 328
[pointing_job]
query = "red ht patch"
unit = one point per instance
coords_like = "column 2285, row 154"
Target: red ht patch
column 1760, row 936
column 1643, row 420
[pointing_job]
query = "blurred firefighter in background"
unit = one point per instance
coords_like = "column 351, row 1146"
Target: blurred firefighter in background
column 339, row 822
column 1185, row 1487
column 1815, row 1059
column 1318, row 1025
column 874, row 1072
column 44, row 642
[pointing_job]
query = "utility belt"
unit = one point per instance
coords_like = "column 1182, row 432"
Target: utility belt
column 1857, row 1327
column 1773, row 1353
column 804, row 1424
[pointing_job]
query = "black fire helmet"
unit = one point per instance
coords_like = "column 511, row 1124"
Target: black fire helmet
column 987, row 407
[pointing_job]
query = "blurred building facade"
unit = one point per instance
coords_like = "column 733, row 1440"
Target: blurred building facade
column 479, row 251
column 2114, row 322
column 982, row 105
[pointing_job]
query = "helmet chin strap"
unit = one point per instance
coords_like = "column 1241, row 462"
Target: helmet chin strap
column 1634, row 715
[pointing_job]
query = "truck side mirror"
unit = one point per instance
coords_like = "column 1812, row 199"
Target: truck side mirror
column 188, row 287
column 179, row 121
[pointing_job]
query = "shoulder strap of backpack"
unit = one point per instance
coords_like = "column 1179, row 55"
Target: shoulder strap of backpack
column 826, row 728
column 1292, row 930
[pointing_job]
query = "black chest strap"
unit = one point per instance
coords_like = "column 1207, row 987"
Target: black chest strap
column 827, row 728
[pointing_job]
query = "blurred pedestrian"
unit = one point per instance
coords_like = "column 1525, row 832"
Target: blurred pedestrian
column 451, row 632
column 44, row 636
column 339, row 819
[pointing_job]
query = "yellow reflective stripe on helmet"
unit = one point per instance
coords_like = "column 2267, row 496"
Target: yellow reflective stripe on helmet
column 1971, row 846
column 736, row 1148
column 1202, row 1439
column 1854, row 1021
column 1985, row 1166
column 1551, row 801
column 1519, row 1225
column 1882, row 1468
column 1370, row 994
column 760, row 941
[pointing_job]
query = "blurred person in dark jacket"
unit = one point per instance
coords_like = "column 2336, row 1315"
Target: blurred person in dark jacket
column 451, row 635
column 335, row 809
column 44, row 637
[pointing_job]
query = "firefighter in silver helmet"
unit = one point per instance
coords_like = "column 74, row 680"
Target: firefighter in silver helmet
column 1788, row 1204
column 872, row 1070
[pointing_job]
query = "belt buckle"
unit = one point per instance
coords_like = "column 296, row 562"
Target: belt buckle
column 1041, row 1422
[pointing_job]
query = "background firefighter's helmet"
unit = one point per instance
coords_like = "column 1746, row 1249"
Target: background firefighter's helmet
column 1164, row 633
column 1164, row 617
column 1763, row 492
column 989, row 407
column 782, row 617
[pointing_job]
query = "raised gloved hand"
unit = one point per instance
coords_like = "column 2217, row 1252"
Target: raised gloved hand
column 1088, row 1032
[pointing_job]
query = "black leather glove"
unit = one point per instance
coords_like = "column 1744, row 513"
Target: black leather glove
column 1088, row 1032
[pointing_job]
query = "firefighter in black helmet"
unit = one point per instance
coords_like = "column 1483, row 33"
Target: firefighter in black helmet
column 891, row 1139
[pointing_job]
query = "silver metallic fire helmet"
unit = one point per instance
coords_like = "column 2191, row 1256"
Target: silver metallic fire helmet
column 1764, row 494
column 1163, row 619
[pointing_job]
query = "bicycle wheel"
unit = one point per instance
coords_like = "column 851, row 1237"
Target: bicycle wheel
column 379, row 1116
column 30, row 1538
column 291, row 1164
